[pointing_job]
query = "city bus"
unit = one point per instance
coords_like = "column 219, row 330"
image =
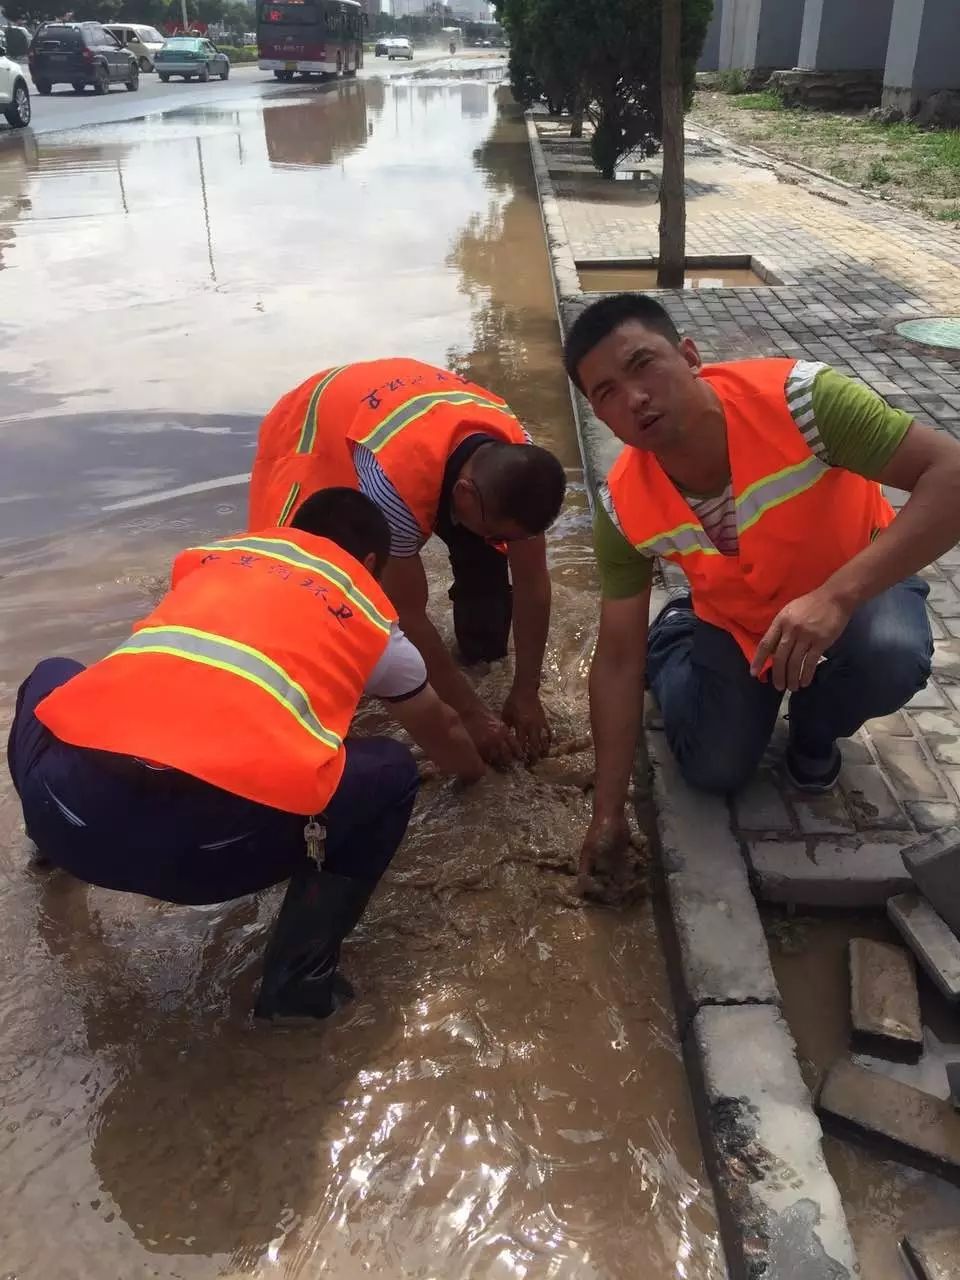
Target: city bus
column 310, row 37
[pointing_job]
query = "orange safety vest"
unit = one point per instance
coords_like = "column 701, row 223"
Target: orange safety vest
column 247, row 674
column 798, row 519
column 411, row 415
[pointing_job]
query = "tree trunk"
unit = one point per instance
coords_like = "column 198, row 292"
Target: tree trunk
column 673, row 207
column 576, row 118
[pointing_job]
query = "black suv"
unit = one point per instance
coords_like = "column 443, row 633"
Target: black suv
column 80, row 53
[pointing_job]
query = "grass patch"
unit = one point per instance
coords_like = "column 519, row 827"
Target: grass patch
column 949, row 215
column 732, row 82
column 878, row 174
column 764, row 101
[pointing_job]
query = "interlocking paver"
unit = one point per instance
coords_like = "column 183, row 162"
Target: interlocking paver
column 842, row 269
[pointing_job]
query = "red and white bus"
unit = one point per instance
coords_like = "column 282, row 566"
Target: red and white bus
column 310, row 37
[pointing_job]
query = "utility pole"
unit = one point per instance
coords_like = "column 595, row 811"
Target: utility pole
column 673, row 204
column 183, row 15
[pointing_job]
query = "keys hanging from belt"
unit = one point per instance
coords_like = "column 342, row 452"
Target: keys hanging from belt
column 315, row 836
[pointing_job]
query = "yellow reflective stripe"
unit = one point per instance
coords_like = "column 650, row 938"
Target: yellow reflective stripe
column 412, row 410
column 290, row 553
column 236, row 658
column 308, row 432
column 287, row 507
column 774, row 490
column 682, row 540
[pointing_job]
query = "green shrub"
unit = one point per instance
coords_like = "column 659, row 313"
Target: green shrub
column 238, row 55
column 878, row 174
column 733, row 82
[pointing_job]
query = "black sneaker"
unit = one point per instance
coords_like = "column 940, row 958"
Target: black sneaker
column 810, row 773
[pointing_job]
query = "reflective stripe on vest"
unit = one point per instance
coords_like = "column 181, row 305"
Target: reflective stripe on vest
column 755, row 501
column 239, row 660
column 287, row 509
column 759, row 497
column 308, row 432
column 413, row 409
column 290, row 553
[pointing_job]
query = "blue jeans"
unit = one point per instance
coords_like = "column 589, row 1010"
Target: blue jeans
column 114, row 823
column 718, row 719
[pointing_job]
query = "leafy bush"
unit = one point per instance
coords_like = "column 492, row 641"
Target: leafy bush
column 236, row 54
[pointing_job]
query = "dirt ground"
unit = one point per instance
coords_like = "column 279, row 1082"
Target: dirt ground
column 901, row 162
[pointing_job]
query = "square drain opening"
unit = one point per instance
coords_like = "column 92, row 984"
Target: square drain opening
column 639, row 275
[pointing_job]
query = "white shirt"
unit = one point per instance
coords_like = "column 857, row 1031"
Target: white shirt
column 401, row 672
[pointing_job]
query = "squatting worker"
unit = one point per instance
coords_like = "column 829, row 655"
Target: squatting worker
column 761, row 479
column 185, row 764
column 437, row 454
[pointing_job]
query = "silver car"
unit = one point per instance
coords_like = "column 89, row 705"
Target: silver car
column 190, row 56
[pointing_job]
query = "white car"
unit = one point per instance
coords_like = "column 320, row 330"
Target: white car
column 142, row 41
column 399, row 48
column 14, row 94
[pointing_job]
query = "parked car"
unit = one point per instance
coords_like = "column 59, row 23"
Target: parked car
column 80, row 53
column 14, row 93
column 143, row 42
column 190, row 56
column 400, row 48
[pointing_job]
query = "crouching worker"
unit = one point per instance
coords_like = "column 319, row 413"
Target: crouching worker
column 207, row 757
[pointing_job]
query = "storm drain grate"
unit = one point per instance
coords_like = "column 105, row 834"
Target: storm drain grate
column 935, row 331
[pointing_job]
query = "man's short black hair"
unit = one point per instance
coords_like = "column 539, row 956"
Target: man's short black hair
column 521, row 482
column 601, row 318
column 349, row 519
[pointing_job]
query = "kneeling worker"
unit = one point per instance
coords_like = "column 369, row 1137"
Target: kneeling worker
column 438, row 455
column 207, row 758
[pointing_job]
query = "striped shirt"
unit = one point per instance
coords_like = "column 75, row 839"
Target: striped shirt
column 406, row 537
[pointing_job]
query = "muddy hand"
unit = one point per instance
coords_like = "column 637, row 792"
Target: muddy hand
column 493, row 739
column 524, row 714
column 606, row 838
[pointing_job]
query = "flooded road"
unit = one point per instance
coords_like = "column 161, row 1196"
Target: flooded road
column 505, row 1097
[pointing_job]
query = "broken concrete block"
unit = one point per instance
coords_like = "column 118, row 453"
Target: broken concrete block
column 825, row 873
column 779, row 1208
column 934, row 864
column 884, row 1005
column 930, row 939
column 934, row 1255
column 919, row 1129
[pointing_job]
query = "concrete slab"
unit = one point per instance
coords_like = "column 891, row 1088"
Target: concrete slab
column 930, row 939
column 884, row 1005
column 919, row 1129
column 779, row 1208
column 723, row 951
column 934, row 864
column 822, row 873
column 934, row 1255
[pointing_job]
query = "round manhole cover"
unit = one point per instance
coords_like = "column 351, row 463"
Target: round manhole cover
column 935, row 331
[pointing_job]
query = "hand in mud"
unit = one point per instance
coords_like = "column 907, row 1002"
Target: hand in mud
column 492, row 738
column 524, row 713
column 613, row 864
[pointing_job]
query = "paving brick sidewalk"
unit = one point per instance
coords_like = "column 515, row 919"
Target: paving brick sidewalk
column 850, row 268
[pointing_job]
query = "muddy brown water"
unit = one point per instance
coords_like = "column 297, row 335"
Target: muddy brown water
column 630, row 279
column 883, row 1199
column 505, row 1098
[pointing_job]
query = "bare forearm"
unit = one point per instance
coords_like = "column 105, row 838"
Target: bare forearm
column 927, row 527
column 450, row 683
column 616, row 710
column 451, row 748
column 531, row 624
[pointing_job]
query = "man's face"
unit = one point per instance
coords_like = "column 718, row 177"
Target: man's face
column 470, row 510
column 642, row 386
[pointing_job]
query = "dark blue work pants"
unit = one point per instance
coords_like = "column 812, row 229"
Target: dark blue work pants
column 112, row 822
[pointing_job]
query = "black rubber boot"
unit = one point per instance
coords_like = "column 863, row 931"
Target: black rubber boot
column 300, row 978
column 481, row 624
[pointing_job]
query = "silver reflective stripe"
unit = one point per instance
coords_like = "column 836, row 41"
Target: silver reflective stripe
column 773, row 491
column 417, row 407
column 681, row 541
column 290, row 553
column 237, row 659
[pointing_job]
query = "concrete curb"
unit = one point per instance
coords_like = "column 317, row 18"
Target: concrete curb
column 755, row 1115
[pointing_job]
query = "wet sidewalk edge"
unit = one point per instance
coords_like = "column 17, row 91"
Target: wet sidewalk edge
column 778, row 1207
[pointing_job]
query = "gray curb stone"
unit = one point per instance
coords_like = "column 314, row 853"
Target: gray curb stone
column 930, row 938
column 783, row 1213
column 784, row 1219
column 827, row 873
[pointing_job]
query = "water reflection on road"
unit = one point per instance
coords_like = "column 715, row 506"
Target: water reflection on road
column 505, row 1098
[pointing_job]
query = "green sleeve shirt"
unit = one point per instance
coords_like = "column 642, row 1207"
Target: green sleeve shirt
column 854, row 428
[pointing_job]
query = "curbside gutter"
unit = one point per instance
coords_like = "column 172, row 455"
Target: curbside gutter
column 779, row 1208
